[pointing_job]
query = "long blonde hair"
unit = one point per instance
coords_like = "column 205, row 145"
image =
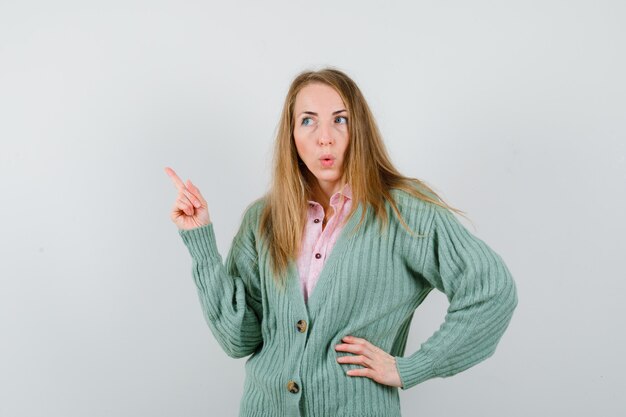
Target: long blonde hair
column 367, row 168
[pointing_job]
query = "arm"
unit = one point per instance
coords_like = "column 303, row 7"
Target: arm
column 482, row 296
column 228, row 292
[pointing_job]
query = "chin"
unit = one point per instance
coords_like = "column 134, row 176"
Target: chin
column 325, row 177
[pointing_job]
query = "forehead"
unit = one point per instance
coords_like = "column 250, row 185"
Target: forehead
column 318, row 96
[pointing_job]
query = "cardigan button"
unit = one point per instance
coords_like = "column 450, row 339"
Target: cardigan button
column 316, row 221
column 318, row 255
column 301, row 326
column 293, row 387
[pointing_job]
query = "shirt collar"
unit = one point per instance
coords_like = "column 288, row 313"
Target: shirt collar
column 346, row 191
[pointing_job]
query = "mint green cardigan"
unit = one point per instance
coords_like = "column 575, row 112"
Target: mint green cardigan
column 369, row 287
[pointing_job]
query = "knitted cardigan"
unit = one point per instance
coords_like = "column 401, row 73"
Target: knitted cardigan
column 369, row 287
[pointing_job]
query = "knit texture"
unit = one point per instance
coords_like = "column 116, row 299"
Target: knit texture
column 369, row 287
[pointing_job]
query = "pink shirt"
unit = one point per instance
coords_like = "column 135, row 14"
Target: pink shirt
column 317, row 243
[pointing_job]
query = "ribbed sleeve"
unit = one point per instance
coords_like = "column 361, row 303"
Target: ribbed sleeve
column 482, row 297
column 226, row 290
column 201, row 243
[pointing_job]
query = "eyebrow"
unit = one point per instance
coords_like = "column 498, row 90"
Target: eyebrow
column 315, row 114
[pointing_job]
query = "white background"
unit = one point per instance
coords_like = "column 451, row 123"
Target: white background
column 513, row 110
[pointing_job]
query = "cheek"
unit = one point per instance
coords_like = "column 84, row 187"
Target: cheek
column 343, row 134
column 301, row 146
column 297, row 140
column 345, row 141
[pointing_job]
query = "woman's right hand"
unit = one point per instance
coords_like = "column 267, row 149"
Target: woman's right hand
column 190, row 209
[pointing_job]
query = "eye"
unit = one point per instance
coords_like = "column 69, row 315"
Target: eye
column 304, row 120
column 342, row 117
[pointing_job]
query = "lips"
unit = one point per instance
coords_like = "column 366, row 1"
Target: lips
column 327, row 160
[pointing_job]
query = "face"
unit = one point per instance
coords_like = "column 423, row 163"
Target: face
column 321, row 133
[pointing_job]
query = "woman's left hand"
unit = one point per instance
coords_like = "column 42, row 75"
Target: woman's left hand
column 378, row 364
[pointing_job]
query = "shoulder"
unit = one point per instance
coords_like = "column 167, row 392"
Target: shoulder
column 246, row 237
column 413, row 204
column 419, row 214
column 254, row 208
column 252, row 214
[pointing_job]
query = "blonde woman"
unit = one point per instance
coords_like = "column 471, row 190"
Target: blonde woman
column 328, row 267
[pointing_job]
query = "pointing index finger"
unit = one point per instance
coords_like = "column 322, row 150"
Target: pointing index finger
column 177, row 181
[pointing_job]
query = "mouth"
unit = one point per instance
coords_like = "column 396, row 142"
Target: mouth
column 327, row 160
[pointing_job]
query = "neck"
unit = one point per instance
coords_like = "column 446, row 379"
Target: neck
column 322, row 193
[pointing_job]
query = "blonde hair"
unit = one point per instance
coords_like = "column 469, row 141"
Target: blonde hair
column 367, row 168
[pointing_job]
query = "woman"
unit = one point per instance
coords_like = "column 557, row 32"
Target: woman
column 323, row 304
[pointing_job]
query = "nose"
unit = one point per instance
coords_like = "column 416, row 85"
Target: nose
column 325, row 137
